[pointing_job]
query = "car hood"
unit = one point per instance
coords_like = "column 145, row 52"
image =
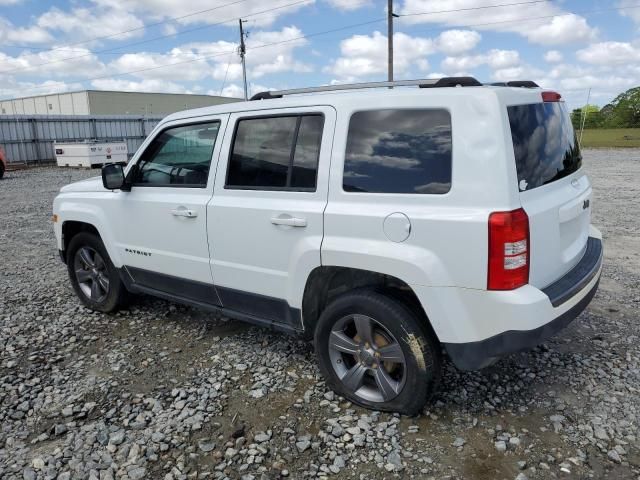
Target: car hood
column 93, row 184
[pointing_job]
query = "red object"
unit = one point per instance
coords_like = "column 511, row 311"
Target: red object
column 3, row 159
column 509, row 249
column 551, row 97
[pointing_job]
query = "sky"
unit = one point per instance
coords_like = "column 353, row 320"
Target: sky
column 191, row 46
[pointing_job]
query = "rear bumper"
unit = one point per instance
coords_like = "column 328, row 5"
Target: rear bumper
column 477, row 355
column 563, row 301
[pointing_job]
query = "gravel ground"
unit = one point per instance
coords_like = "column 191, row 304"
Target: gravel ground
column 165, row 391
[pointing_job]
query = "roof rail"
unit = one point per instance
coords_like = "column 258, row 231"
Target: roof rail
column 424, row 83
column 517, row 83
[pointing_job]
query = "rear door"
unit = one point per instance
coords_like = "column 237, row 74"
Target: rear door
column 554, row 190
column 265, row 219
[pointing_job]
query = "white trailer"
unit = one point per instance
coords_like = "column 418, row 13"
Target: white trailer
column 90, row 154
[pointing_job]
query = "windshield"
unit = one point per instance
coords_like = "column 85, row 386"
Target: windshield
column 544, row 143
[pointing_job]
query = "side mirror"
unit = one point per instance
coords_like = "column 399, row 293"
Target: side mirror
column 113, row 176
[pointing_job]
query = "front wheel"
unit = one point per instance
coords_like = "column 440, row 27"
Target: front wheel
column 94, row 278
column 377, row 353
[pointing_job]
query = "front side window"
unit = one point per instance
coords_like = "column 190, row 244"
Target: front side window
column 276, row 153
column 178, row 157
column 399, row 151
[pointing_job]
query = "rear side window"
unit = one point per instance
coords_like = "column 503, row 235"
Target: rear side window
column 276, row 153
column 544, row 143
column 399, row 151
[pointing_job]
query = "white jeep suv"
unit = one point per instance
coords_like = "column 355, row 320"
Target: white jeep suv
column 385, row 224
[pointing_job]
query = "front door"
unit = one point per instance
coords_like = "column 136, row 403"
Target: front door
column 161, row 224
column 265, row 217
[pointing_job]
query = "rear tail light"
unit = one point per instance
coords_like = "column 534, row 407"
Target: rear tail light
column 508, row 250
column 551, row 97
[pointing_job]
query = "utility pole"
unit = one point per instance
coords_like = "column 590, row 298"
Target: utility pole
column 242, row 51
column 390, row 17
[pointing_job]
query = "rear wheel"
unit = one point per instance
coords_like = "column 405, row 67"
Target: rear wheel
column 94, row 278
column 377, row 353
column 1, row 170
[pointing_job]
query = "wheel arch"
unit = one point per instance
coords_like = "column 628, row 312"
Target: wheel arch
column 327, row 282
column 70, row 228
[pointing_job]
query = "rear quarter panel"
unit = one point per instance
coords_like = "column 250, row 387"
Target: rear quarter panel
column 447, row 245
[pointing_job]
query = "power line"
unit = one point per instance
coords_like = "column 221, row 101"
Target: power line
column 123, row 32
column 111, row 51
column 225, row 75
column 204, row 57
column 474, row 8
column 311, row 35
column 141, row 42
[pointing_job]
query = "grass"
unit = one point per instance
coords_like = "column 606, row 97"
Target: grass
column 611, row 138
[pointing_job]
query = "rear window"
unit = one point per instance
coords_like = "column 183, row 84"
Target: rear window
column 544, row 143
column 398, row 151
column 276, row 153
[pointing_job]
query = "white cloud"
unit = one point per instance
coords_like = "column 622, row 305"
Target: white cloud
column 612, row 83
column 628, row 10
column 276, row 58
column 366, row 55
column 4, row 3
column 237, row 91
column 494, row 58
column 349, row 4
column 609, row 53
column 10, row 88
column 148, row 85
column 560, row 30
column 56, row 63
column 553, row 56
column 172, row 66
column 24, row 35
column 462, row 64
column 455, row 42
column 86, row 23
column 162, row 9
column 232, row 90
column 195, row 62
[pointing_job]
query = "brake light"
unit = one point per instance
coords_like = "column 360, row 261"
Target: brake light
column 508, row 250
column 551, row 97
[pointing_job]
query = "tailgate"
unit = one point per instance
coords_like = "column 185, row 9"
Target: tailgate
column 554, row 191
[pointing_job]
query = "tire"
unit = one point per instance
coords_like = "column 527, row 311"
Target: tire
column 1, row 170
column 402, row 384
column 89, row 266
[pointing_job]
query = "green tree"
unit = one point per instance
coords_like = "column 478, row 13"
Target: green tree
column 592, row 117
column 624, row 110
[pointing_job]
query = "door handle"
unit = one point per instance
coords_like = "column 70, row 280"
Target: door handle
column 184, row 212
column 289, row 221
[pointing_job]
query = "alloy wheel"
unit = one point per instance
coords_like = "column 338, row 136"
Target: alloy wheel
column 91, row 273
column 367, row 358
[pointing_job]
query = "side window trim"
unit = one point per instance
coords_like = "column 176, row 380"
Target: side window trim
column 299, row 116
column 134, row 167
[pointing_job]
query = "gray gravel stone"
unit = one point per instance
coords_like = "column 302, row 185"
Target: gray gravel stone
column 87, row 395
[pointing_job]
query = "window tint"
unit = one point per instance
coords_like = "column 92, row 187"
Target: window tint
column 179, row 156
column 276, row 153
column 398, row 151
column 307, row 152
column 544, row 143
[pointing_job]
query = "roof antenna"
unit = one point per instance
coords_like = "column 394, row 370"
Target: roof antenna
column 584, row 118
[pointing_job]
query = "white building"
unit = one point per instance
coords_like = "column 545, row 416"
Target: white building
column 98, row 102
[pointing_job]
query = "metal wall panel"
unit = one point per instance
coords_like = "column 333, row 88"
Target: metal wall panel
column 29, row 139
